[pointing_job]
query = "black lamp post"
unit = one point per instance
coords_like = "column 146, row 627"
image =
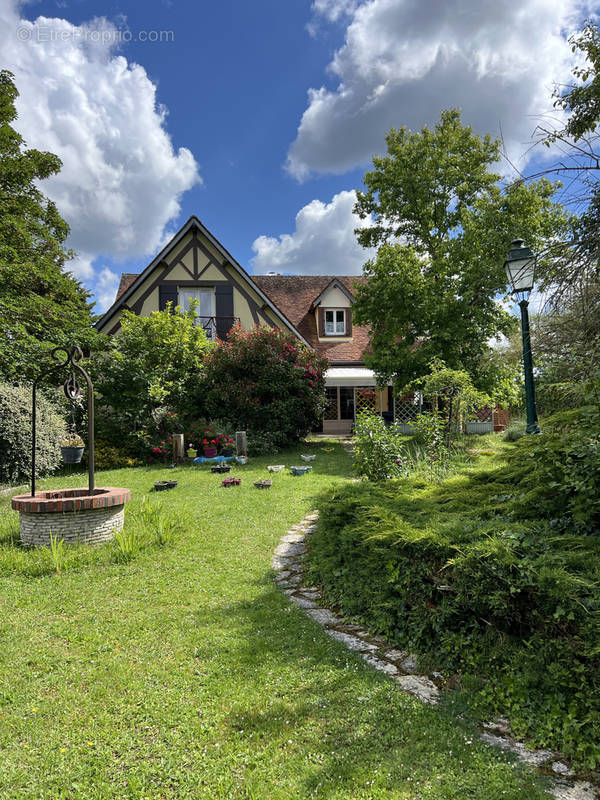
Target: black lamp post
column 520, row 269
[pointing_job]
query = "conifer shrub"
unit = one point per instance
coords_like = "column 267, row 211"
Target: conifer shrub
column 493, row 575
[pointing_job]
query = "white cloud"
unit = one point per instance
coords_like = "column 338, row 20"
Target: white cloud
column 323, row 243
column 121, row 180
column 81, row 267
column 403, row 61
column 333, row 10
column 106, row 289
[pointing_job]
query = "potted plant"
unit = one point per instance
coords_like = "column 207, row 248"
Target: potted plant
column 191, row 451
column 210, row 448
column 227, row 446
column 71, row 448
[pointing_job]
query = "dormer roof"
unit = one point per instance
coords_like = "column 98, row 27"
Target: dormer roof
column 334, row 284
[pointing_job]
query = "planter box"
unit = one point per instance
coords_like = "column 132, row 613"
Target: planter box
column 480, row 427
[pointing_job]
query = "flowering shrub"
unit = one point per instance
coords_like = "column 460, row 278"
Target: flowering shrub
column 264, row 380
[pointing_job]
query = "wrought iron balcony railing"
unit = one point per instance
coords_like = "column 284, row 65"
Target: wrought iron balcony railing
column 217, row 327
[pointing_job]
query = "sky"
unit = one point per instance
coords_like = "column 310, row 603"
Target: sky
column 261, row 118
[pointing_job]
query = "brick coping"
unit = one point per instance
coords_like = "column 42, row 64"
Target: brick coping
column 61, row 500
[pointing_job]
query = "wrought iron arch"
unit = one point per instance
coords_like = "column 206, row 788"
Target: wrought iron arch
column 70, row 359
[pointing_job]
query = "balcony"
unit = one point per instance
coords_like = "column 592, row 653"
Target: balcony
column 217, row 327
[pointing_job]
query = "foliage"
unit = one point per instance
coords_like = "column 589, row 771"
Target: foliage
column 515, row 431
column 379, row 451
column 263, row 443
column 572, row 273
column 582, row 100
column 57, row 552
column 443, row 228
column 153, row 364
column 453, row 395
column 566, row 339
column 71, row 440
column 112, row 456
column 264, row 380
column 15, row 434
column 41, row 305
column 558, row 472
column 475, row 576
column 127, row 543
column 430, row 432
column 210, row 667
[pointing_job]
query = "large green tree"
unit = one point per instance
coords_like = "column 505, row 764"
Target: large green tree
column 41, row 305
column 154, row 363
column 442, row 226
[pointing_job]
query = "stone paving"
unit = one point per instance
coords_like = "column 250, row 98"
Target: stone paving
column 401, row 666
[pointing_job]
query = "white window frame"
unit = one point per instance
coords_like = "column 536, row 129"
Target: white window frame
column 335, row 322
column 197, row 290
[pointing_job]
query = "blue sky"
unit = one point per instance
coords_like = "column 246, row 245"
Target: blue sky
column 259, row 117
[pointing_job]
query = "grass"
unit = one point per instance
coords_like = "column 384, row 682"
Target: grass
column 182, row 672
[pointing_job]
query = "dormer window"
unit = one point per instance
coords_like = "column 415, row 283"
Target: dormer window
column 335, row 322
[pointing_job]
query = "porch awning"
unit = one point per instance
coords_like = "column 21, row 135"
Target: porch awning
column 350, row 376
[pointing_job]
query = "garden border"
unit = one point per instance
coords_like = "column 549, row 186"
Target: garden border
column 401, row 666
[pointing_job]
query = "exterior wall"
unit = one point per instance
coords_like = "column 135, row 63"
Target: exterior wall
column 194, row 261
column 337, row 426
column 335, row 298
column 88, row 527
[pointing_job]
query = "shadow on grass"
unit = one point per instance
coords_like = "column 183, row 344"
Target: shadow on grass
column 344, row 729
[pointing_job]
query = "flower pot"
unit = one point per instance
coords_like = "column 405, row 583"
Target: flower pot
column 191, row 453
column 227, row 452
column 71, row 455
column 231, row 481
column 308, row 458
column 160, row 486
column 220, row 468
column 210, row 452
column 300, row 470
column 276, row 467
column 263, row 484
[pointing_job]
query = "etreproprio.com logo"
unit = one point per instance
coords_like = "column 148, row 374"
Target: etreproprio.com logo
column 105, row 36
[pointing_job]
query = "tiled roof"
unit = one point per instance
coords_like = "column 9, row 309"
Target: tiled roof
column 127, row 278
column 294, row 295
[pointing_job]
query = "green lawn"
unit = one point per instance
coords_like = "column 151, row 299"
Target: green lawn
column 184, row 673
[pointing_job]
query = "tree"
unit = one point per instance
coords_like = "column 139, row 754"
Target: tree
column 41, row 305
column 153, row 363
column 443, row 227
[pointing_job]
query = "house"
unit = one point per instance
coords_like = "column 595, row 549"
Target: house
column 194, row 266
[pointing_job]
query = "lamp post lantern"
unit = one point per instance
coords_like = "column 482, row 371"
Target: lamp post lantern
column 520, row 271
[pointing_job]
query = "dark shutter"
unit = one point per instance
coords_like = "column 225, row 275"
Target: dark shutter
column 321, row 322
column 348, row 322
column 224, row 309
column 167, row 294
